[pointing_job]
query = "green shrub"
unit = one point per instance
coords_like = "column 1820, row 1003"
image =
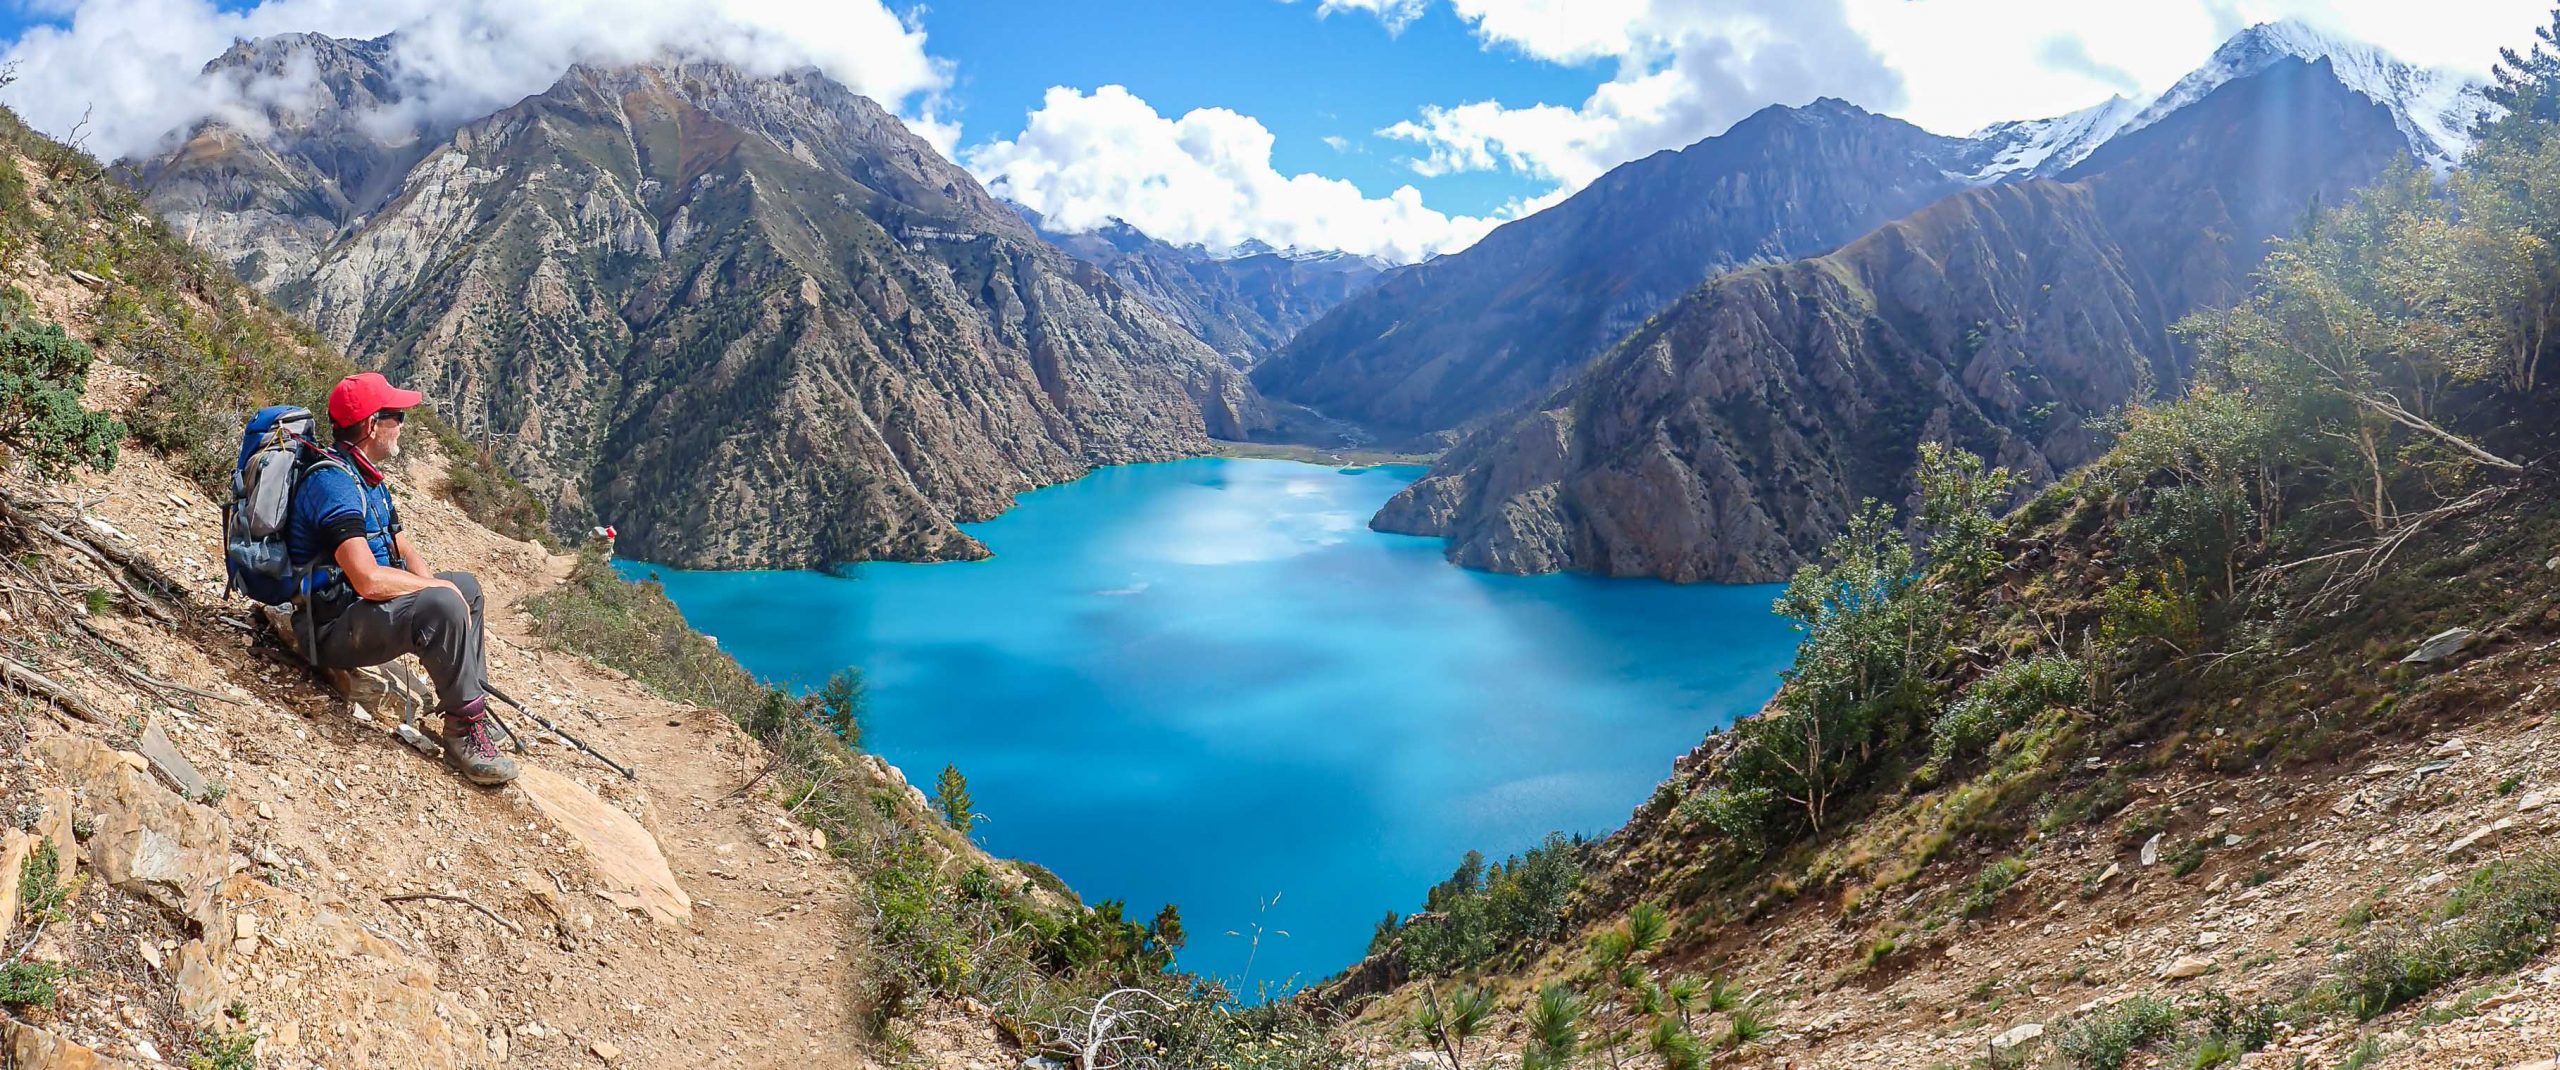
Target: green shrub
column 32, row 984
column 2151, row 606
column 2500, row 919
column 2107, row 1039
column 1740, row 816
column 42, row 374
column 951, row 796
column 2002, row 700
column 482, row 488
column 229, row 1051
column 1988, row 886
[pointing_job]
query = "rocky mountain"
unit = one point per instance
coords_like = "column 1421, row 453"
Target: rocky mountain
column 752, row 321
column 320, row 160
column 1494, row 326
column 1244, row 303
column 2434, row 109
column 1466, row 335
column 1732, row 435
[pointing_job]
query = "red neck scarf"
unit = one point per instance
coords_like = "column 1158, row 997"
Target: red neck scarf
column 364, row 466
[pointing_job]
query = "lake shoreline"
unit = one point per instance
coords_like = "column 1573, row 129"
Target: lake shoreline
column 1216, row 660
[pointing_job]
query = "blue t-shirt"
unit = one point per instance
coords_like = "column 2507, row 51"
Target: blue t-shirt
column 330, row 507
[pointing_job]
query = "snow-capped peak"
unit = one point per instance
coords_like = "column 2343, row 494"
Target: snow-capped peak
column 2435, row 109
column 2025, row 148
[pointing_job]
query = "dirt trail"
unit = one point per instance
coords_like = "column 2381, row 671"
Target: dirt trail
column 322, row 819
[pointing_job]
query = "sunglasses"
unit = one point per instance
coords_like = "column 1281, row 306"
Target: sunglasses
column 393, row 415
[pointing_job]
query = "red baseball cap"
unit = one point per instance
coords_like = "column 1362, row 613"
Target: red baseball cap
column 361, row 395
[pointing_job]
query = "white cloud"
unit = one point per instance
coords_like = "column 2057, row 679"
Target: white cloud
column 1684, row 70
column 1397, row 14
column 133, row 65
column 1085, row 159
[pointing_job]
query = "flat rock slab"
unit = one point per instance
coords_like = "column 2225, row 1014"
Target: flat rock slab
column 165, row 759
column 635, row 872
column 2442, row 645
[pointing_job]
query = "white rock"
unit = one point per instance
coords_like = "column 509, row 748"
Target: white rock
column 2151, row 849
column 2024, row 1034
column 2479, row 836
column 2186, row 967
column 2533, row 802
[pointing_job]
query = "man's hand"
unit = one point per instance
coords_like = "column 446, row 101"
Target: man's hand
column 378, row 582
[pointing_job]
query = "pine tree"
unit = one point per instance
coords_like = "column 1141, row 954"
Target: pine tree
column 2528, row 83
column 952, row 793
column 839, row 706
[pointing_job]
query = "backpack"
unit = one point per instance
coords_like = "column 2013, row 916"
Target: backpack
column 276, row 452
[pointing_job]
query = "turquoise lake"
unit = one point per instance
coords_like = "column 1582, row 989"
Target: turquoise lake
column 1208, row 682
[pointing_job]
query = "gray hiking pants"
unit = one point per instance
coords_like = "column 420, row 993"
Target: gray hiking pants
column 440, row 627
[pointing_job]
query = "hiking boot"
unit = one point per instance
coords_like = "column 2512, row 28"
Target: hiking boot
column 471, row 746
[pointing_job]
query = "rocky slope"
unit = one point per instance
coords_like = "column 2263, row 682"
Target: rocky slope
column 1466, row 335
column 750, row 321
column 1731, row 436
column 2177, row 765
column 1244, row 304
column 245, row 840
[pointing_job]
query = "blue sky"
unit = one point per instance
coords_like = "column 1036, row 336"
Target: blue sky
column 1392, row 127
column 1306, row 77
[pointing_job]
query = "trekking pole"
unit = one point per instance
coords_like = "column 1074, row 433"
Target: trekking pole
column 555, row 730
column 513, row 740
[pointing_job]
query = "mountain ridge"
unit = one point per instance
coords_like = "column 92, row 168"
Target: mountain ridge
column 1244, row 302
column 661, row 290
column 1467, row 336
column 1730, row 437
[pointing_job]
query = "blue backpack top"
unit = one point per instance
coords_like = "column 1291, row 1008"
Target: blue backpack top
column 276, row 451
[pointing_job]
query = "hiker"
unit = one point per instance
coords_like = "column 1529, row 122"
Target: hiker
column 372, row 598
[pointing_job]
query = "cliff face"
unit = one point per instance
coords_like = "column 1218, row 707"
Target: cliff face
column 750, row 321
column 1245, row 305
column 271, row 204
column 1474, row 333
column 1731, row 436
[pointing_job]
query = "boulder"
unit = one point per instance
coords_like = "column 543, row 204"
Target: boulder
column 634, row 871
column 2018, row 1037
column 2441, row 646
column 148, row 841
column 2187, row 966
column 25, row 1047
